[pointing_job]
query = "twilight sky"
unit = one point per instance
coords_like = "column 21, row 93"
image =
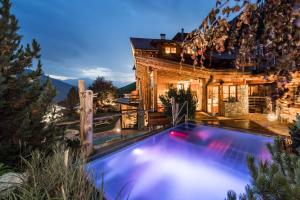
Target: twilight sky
column 90, row 38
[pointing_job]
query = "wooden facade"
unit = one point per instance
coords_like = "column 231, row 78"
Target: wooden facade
column 221, row 90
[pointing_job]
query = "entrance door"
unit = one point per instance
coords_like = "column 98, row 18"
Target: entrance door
column 213, row 99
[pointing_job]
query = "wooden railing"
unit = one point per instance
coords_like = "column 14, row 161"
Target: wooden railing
column 257, row 104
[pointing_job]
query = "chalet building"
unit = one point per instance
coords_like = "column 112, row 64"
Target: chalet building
column 220, row 88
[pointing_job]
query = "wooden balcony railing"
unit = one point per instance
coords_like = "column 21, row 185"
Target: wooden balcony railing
column 257, row 104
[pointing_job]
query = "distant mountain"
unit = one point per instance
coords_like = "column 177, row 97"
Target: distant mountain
column 120, row 84
column 74, row 82
column 61, row 87
column 89, row 82
column 126, row 89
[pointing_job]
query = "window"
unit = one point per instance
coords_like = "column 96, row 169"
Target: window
column 189, row 50
column 229, row 93
column 173, row 49
column 260, row 90
column 232, row 92
column 180, row 86
column 253, row 90
column 169, row 50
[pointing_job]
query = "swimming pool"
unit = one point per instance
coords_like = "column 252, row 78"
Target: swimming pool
column 186, row 162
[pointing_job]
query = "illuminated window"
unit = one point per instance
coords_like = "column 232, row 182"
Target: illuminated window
column 225, row 92
column 229, row 93
column 232, row 92
column 180, row 86
column 189, row 50
column 173, row 49
column 253, row 90
column 169, row 50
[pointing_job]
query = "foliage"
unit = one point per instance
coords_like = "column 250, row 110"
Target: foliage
column 70, row 103
column 264, row 33
column 106, row 91
column 180, row 97
column 231, row 99
column 23, row 100
column 295, row 134
column 276, row 180
column 3, row 169
column 73, row 144
column 60, row 175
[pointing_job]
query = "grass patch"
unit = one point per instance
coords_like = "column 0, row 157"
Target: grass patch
column 59, row 175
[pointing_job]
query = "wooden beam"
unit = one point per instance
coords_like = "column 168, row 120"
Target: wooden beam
column 86, row 117
column 81, row 89
column 88, row 123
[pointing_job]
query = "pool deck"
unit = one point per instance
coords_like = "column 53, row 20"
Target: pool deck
column 255, row 123
column 104, row 140
column 275, row 127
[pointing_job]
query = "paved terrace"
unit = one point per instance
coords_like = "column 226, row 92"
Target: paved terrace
column 253, row 122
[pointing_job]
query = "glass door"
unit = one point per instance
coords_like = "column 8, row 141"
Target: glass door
column 213, row 99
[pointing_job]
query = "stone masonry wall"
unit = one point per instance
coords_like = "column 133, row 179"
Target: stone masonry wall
column 241, row 107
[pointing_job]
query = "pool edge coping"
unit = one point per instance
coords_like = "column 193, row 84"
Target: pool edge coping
column 122, row 144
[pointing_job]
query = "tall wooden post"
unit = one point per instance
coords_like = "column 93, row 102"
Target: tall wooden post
column 88, row 121
column 86, row 117
column 81, row 89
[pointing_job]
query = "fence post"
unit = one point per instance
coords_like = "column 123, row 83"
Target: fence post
column 173, row 105
column 88, row 123
column 86, row 117
column 81, row 89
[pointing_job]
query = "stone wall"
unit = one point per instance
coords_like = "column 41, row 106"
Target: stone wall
column 241, row 107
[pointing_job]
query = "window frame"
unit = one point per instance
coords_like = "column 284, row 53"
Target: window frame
column 173, row 50
column 229, row 93
column 170, row 50
column 167, row 50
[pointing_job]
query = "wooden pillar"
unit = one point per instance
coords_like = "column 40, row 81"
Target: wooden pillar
column 88, row 123
column 81, row 89
column 204, row 94
column 147, row 86
column 220, row 99
column 155, row 89
column 86, row 117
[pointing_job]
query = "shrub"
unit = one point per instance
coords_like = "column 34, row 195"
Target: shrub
column 276, row 180
column 180, row 97
column 3, row 169
column 60, row 175
column 294, row 131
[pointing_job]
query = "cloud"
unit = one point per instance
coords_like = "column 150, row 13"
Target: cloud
column 59, row 77
column 93, row 73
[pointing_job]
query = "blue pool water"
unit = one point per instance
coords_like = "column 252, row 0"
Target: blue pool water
column 183, row 163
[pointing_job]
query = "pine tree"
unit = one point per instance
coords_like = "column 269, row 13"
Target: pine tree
column 276, row 180
column 70, row 104
column 295, row 134
column 23, row 100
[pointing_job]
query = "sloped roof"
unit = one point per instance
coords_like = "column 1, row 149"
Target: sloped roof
column 126, row 101
column 179, row 37
column 144, row 43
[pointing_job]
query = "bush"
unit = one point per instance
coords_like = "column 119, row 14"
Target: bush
column 3, row 169
column 276, row 180
column 180, row 97
column 294, row 131
column 60, row 175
